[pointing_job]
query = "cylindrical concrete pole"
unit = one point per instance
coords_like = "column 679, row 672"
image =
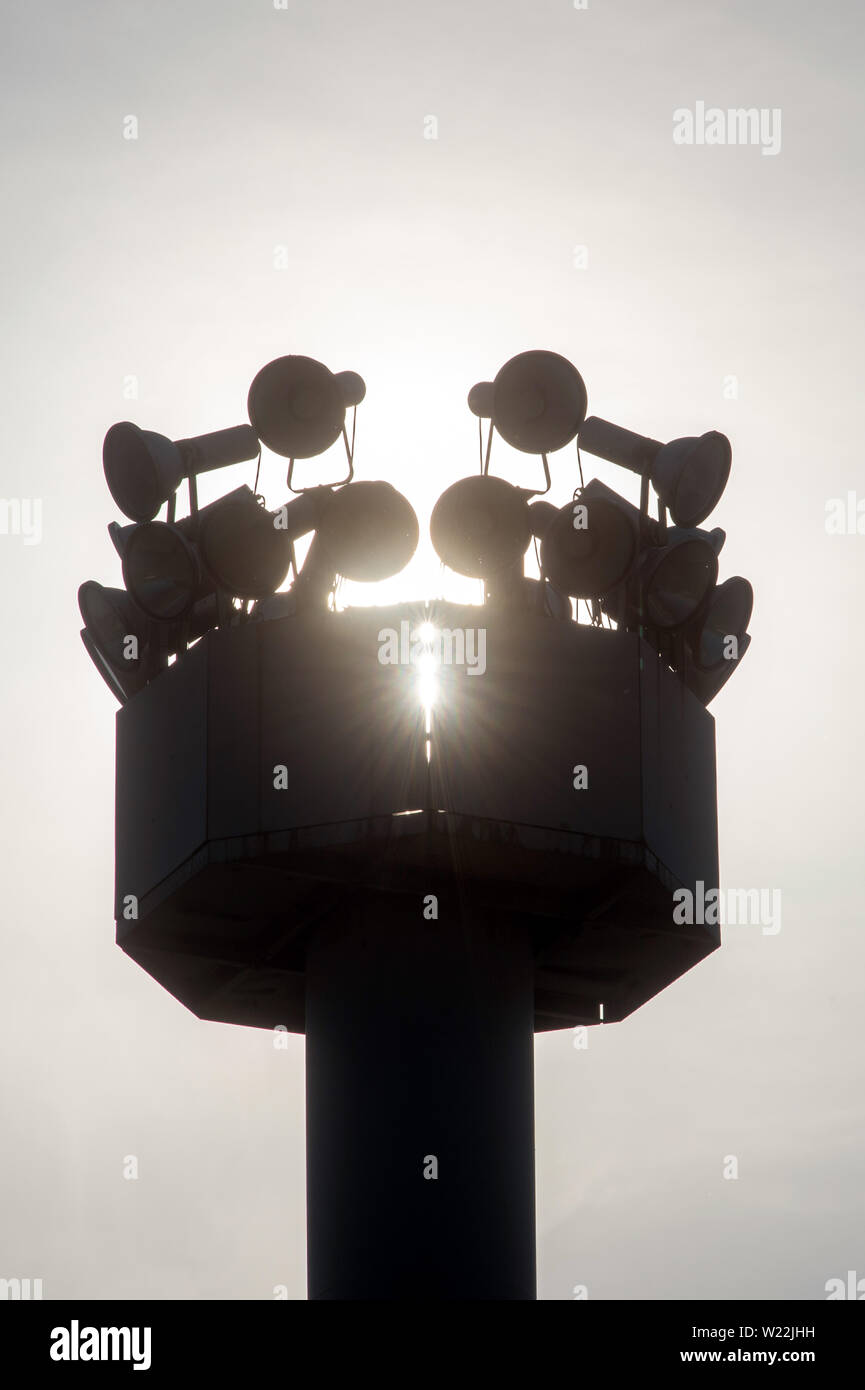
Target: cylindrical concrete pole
column 420, row 1106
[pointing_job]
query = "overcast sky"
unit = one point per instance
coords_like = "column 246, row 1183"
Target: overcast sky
column 282, row 196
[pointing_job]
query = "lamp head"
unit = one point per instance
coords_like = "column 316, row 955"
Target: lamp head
column 162, row 571
column 726, row 614
column 689, row 475
column 297, row 406
column 142, row 469
column 111, row 619
column 369, row 531
column 480, row 526
column 242, row 548
column 539, row 402
column 588, row 547
column 676, row 579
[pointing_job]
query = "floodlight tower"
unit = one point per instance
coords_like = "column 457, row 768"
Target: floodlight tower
column 301, row 846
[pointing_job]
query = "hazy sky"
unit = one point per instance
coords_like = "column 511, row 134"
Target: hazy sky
column 297, row 137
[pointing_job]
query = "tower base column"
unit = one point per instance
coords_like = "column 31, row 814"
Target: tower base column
column 420, row 1107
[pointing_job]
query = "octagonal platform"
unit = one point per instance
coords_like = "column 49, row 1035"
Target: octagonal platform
column 234, row 865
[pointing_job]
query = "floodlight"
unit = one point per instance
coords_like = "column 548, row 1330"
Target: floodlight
column 480, row 525
column 233, row 545
column 144, row 469
column 364, row 531
column 727, row 614
column 244, row 549
column 112, row 620
column 675, row 579
column 115, row 626
column 162, row 571
column 630, row 554
column 689, row 475
column 480, row 400
column 368, row 531
column 539, row 402
column 587, row 546
column 297, row 406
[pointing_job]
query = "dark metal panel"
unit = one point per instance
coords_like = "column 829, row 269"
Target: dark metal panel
column 553, row 695
column 161, row 776
column 233, row 732
column 347, row 728
column 680, row 812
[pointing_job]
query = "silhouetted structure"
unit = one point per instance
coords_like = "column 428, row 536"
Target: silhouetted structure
column 299, row 848
column 302, row 904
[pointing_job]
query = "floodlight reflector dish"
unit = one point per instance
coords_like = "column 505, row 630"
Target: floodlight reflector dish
column 142, row 469
column 676, row 579
column 296, row 407
column 727, row 614
column 480, row 525
column 689, row 475
column 162, row 572
column 539, row 402
column 111, row 619
column 369, row 531
column 588, row 547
